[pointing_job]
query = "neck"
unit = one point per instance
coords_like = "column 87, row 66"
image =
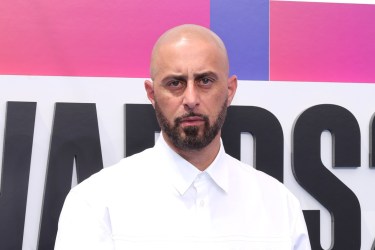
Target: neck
column 201, row 158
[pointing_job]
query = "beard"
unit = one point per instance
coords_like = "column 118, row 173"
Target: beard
column 189, row 137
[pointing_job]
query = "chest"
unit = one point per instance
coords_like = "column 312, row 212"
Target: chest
column 204, row 218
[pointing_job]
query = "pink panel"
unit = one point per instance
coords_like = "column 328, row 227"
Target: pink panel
column 88, row 37
column 322, row 42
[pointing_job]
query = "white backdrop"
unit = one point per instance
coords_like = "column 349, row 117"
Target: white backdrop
column 286, row 100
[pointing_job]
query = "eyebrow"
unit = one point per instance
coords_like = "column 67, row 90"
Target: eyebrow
column 182, row 77
column 173, row 77
column 204, row 74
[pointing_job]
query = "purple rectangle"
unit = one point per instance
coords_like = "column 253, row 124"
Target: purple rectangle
column 244, row 27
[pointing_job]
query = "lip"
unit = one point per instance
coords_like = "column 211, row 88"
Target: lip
column 192, row 118
column 192, row 121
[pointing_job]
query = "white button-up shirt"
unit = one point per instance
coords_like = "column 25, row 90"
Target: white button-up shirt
column 158, row 200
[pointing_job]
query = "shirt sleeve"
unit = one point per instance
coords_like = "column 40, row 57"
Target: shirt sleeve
column 83, row 225
column 300, row 234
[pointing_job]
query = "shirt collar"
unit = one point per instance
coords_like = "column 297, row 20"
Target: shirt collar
column 183, row 173
column 219, row 169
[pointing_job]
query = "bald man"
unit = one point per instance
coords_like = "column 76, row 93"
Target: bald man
column 185, row 192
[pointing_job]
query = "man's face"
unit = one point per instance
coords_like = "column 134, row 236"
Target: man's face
column 190, row 92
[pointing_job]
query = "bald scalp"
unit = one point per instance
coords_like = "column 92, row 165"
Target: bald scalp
column 186, row 32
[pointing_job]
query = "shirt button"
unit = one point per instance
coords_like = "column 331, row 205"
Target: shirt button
column 201, row 203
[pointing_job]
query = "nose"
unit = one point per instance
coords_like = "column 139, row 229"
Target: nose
column 191, row 97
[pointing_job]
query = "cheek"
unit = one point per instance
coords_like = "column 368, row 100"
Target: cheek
column 215, row 105
column 168, row 107
column 216, row 102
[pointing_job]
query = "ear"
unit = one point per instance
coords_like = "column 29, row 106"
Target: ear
column 232, row 87
column 149, row 87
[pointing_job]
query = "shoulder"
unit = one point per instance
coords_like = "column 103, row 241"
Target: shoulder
column 113, row 178
column 270, row 195
column 245, row 171
column 250, row 178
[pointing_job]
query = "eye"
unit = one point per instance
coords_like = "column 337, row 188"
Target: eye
column 175, row 84
column 205, row 81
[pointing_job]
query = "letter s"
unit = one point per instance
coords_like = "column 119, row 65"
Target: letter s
column 314, row 177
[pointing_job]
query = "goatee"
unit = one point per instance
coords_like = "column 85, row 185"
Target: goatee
column 189, row 137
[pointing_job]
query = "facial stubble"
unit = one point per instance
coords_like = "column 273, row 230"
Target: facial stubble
column 189, row 137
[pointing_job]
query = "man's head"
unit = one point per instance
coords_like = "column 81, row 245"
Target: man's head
column 190, row 88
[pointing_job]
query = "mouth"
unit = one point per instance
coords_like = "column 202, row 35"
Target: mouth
column 192, row 121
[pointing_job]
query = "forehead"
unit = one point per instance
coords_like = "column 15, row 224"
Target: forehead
column 189, row 54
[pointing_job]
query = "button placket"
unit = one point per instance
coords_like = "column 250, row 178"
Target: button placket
column 201, row 184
